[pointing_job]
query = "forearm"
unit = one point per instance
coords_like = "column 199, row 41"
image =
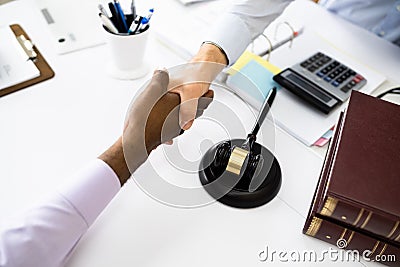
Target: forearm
column 210, row 53
column 46, row 234
column 114, row 157
column 245, row 21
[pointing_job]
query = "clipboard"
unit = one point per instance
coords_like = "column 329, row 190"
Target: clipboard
column 46, row 72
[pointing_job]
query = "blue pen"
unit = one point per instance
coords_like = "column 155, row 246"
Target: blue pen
column 146, row 21
column 121, row 14
column 151, row 11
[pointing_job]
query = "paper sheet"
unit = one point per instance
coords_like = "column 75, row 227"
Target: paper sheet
column 182, row 28
column 14, row 64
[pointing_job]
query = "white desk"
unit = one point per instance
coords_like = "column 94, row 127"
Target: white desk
column 53, row 128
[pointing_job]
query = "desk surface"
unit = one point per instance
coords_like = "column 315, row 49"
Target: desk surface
column 53, row 128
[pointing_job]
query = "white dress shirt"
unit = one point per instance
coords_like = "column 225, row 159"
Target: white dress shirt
column 247, row 19
column 46, row 235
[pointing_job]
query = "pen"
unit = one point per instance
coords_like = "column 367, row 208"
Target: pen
column 115, row 17
column 135, row 25
column 151, row 11
column 138, row 26
column 133, row 9
column 103, row 10
column 144, row 24
column 108, row 23
column 282, row 42
column 146, row 21
column 121, row 15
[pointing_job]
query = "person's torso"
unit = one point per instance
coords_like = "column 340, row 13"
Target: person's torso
column 379, row 16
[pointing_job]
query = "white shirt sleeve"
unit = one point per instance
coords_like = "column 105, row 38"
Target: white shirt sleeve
column 47, row 234
column 245, row 21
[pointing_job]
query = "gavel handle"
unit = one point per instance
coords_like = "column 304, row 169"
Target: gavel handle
column 251, row 138
column 264, row 111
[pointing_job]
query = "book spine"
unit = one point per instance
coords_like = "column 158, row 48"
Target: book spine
column 343, row 238
column 360, row 218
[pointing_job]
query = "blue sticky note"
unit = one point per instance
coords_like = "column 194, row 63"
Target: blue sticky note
column 254, row 80
column 328, row 134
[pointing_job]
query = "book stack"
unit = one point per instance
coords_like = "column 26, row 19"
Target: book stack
column 356, row 205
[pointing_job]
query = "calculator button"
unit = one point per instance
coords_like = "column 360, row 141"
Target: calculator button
column 312, row 68
column 342, row 69
column 306, row 63
column 324, row 71
column 339, row 80
column 358, row 76
column 326, row 59
column 334, row 74
column 335, row 83
column 320, row 74
column 328, row 79
column 318, row 55
column 346, row 88
column 357, row 80
column 315, row 57
column 335, row 63
column 352, row 72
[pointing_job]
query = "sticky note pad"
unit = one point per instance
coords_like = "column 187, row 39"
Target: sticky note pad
column 252, row 78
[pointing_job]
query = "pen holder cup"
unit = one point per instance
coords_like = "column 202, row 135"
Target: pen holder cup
column 127, row 55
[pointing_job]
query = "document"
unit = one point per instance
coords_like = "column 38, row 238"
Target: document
column 15, row 66
column 183, row 28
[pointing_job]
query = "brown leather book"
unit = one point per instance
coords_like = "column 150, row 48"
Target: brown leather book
column 368, row 248
column 336, row 232
column 362, row 182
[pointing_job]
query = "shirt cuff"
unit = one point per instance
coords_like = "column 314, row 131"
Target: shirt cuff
column 233, row 42
column 91, row 189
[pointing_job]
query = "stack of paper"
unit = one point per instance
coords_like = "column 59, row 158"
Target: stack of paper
column 183, row 28
column 15, row 66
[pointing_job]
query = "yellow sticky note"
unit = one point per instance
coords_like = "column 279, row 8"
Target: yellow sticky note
column 246, row 57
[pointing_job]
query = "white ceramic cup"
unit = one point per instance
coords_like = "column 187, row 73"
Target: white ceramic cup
column 127, row 55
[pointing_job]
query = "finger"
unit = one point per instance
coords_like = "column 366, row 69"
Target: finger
column 159, row 81
column 204, row 102
column 189, row 124
column 187, row 110
column 206, row 99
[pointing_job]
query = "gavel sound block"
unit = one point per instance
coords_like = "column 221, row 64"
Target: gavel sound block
column 246, row 186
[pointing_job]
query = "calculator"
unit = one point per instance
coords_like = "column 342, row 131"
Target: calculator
column 321, row 81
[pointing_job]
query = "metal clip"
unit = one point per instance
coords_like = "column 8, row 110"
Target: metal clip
column 27, row 46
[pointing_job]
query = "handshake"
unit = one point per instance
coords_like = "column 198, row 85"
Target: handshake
column 160, row 113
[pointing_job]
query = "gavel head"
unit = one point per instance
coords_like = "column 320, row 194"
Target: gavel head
column 238, row 177
column 238, row 161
